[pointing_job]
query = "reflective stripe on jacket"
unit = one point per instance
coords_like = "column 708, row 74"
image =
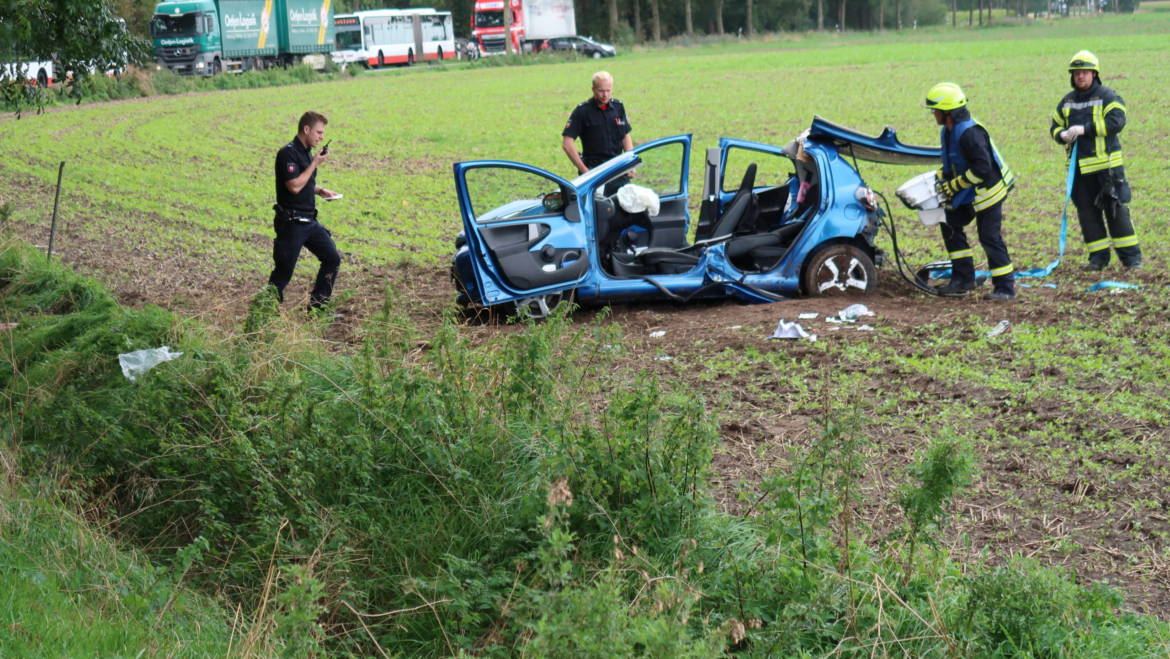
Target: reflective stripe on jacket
column 982, row 194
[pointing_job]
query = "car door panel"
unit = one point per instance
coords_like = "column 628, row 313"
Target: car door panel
column 522, row 249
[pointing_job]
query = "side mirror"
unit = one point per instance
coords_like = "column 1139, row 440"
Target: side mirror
column 553, row 202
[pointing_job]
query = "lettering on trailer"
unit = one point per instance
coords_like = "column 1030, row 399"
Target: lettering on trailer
column 302, row 18
column 324, row 17
column 179, row 41
column 265, row 21
column 241, row 21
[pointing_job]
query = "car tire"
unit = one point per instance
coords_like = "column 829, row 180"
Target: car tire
column 542, row 306
column 596, row 54
column 840, row 269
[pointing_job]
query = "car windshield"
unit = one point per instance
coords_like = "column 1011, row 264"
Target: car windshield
column 183, row 25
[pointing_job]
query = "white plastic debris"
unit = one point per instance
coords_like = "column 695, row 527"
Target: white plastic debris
column 864, row 328
column 139, row 362
column 808, row 315
column 657, row 334
column 1000, row 327
column 635, row 199
column 787, row 330
column 854, row 311
column 663, row 358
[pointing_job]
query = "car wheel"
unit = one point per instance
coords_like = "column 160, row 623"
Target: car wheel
column 542, row 306
column 597, row 54
column 839, row 270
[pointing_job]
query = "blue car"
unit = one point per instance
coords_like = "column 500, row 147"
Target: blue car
column 773, row 222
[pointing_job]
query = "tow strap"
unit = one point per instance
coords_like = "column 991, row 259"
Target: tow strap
column 1068, row 187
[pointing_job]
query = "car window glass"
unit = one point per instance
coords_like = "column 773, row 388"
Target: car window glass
column 491, row 188
column 771, row 169
column 661, row 169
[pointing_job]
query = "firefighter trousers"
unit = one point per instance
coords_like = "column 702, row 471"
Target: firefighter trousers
column 1101, row 199
column 988, row 221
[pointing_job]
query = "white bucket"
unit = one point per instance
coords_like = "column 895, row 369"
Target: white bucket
column 931, row 216
column 919, row 192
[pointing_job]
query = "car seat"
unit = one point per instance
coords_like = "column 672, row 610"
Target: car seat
column 742, row 205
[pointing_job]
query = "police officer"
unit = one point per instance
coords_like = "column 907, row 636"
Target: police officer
column 975, row 180
column 602, row 125
column 296, row 222
column 1092, row 115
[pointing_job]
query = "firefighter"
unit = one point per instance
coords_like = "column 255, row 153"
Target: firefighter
column 1091, row 116
column 974, row 179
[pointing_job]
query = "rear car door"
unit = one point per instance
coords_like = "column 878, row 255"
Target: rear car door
column 523, row 228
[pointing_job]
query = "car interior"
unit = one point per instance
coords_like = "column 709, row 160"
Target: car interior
column 757, row 224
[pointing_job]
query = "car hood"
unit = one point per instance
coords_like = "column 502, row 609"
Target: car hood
column 884, row 148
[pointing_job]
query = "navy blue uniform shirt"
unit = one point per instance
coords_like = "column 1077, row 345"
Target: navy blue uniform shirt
column 601, row 130
column 291, row 161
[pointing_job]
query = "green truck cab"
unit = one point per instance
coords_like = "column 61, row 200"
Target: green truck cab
column 205, row 37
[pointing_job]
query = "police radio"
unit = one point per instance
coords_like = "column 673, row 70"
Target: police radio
column 325, row 149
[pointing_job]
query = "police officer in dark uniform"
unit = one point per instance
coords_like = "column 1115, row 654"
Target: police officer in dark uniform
column 602, row 125
column 1092, row 115
column 974, row 179
column 296, row 222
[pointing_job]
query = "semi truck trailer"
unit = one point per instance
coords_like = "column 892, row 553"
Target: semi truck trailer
column 532, row 21
column 206, row 37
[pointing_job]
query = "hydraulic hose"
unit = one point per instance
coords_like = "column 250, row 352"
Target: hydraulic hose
column 892, row 230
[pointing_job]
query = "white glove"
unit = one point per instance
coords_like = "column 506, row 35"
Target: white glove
column 1072, row 133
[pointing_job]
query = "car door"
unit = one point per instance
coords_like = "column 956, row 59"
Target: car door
column 523, row 228
column 664, row 167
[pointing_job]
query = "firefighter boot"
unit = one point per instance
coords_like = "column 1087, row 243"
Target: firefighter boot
column 962, row 278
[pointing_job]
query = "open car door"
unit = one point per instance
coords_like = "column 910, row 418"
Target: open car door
column 884, row 148
column 524, row 231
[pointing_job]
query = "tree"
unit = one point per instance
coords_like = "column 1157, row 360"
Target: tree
column 81, row 37
column 613, row 20
column 655, row 21
column 748, row 19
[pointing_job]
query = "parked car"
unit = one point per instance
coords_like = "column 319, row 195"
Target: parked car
column 583, row 45
column 773, row 222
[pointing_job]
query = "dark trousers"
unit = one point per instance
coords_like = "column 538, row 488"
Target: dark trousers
column 286, row 249
column 988, row 222
column 1101, row 199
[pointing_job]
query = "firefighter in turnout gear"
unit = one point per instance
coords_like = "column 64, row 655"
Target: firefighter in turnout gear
column 975, row 180
column 1091, row 116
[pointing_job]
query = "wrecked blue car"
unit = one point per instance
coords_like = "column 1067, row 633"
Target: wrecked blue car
column 774, row 221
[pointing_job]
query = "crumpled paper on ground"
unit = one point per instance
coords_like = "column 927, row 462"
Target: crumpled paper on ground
column 850, row 314
column 139, row 362
column 787, row 330
column 635, row 199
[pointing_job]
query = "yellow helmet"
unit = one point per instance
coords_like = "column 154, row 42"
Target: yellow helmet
column 1084, row 61
column 945, row 96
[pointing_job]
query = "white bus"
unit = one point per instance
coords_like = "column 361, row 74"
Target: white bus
column 378, row 37
column 33, row 73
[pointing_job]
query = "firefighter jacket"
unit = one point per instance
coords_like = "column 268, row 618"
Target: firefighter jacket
column 1102, row 112
column 969, row 154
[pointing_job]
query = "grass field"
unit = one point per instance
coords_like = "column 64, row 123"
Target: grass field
column 167, row 200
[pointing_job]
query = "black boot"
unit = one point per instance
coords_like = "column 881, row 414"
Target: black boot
column 962, row 279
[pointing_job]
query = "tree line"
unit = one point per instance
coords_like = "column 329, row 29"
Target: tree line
column 639, row 21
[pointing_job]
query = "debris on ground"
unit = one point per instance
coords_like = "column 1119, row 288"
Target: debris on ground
column 1000, row 327
column 657, row 334
column 793, row 330
column 139, row 362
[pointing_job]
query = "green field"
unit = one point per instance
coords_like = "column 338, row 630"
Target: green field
column 173, row 169
column 1065, row 416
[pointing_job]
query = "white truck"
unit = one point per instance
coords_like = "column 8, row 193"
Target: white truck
column 532, row 22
